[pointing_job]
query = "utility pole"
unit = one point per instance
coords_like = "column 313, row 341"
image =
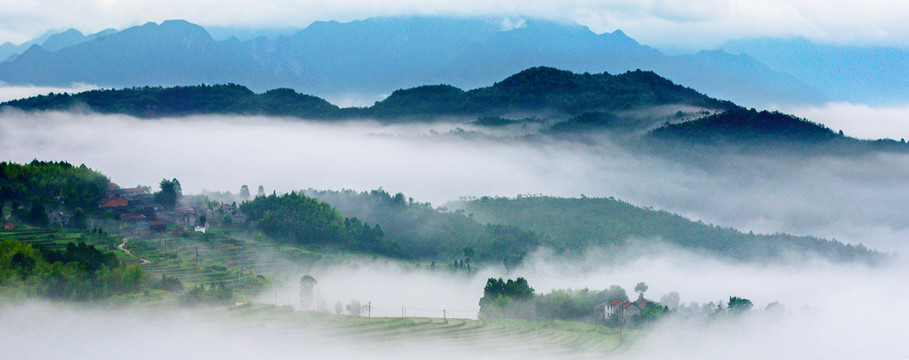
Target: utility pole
column 369, row 310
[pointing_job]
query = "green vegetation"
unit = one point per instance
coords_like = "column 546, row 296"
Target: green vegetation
column 540, row 88
column 431, row 234
column 515, row 299
column 77, row 273
column 302, row 220
column 154, row 102
column 506, row 299
column 752, row 131
column 575, row 225
column 50, row 185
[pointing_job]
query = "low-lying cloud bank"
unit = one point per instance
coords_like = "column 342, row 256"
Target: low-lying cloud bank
column 858, row 200
column 859, row 120
column 831, row 311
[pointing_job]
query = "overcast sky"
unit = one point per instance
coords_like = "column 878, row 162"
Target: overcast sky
column 661, row 23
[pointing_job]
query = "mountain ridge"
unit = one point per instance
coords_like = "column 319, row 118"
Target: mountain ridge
column 531, row 89
column 380, row 55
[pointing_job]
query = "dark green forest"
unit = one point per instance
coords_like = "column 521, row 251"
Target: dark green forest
column 576, row 225
column 533, row 89
column 32, row 191
column 752, row 131
column 302, row 220
column 51, row 182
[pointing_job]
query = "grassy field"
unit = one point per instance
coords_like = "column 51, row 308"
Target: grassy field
column 533, row 338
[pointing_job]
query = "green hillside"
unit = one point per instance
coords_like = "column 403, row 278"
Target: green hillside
column 575, row 225
column 752, row 131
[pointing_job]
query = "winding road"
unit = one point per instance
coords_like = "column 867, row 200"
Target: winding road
column 122, row 248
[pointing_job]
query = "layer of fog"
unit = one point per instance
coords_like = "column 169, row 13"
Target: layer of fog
column 832, row 311
column 8, row 92
column 854, row 200
column 858, row 120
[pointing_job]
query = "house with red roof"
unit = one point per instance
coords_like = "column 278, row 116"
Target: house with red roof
column 622, row 312
column 117, row 202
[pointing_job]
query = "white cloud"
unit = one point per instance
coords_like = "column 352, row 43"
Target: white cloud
column 857, row 120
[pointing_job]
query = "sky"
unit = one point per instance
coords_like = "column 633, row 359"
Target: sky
column 667, row 24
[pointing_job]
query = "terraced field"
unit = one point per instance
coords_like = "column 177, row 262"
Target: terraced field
column 246, row 265
column 464, row 338
column 55, row 239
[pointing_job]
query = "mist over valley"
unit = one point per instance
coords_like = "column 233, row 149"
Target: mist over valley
column 448, row 187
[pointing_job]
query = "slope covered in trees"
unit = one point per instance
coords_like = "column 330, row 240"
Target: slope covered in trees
column 302, row 220
column 431, row 234
column 534, row 89
column 79, row 272
column 575, row 225
column 754, row 131
column 154, row 102
column 52, row 184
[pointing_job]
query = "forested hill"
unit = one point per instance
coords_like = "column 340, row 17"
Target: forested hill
column 155, row 102
column 544, row 88
column 539, row 88
column 754, row 131
column 575, row 225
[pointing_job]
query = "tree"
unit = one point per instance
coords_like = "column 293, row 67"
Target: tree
column 244, row 193
column 78, row 220
column 641, row 288
column 354, row 308
column 170, row 193
column 261, row 191
column 307, row 283
column 739, row 305
column 468, row 253
column 37, row 215
column 505, row 298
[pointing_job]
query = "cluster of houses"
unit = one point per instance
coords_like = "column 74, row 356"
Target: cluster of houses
column 139, row 213
column 622, row 312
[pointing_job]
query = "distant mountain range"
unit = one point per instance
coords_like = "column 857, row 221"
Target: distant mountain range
column 870, row 75
column 373, row 57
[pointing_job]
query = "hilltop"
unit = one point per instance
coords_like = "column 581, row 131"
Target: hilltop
column 540, row 89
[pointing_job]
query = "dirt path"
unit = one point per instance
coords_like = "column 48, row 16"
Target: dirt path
column 122, row 248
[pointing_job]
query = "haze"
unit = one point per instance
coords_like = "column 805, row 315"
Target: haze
column 814, row 325
column 856, row 200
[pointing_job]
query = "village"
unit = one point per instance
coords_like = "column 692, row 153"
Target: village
column 139, row 213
